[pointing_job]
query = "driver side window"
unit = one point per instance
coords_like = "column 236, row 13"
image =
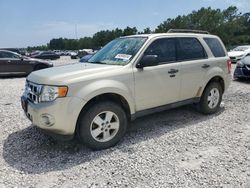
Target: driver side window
column 164, row 49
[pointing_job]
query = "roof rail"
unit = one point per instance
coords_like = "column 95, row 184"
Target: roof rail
column 187, row 31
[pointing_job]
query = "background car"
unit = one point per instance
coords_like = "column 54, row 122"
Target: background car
column 46, row 55
column 84, row 52
column 85, row 58
column 239, row 52
column 14, row 64
column 73, row 55
column 242, row 69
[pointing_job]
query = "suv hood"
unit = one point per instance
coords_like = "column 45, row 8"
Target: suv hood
column 65, row 74
column 236, row 53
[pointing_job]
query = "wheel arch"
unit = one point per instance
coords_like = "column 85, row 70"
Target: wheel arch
column 113, row 97
column 216, row 78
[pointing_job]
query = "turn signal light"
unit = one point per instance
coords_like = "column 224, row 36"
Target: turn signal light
column 62, row 91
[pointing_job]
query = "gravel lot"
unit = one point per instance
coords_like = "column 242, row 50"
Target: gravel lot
column 175, row 148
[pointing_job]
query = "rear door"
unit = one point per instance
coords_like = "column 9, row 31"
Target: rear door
column 12, row 63
column 9, row 63
column 160, row 84
column 3, row 64
column 194, row 65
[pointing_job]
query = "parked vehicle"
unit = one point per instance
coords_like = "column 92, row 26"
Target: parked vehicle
column 239, row 52
column 84, row 52
column 130, row 77
column 85, row 58
column 58, row 52
column 13, row 64
column 46, row 55
column 73, row 55
column 242, row 69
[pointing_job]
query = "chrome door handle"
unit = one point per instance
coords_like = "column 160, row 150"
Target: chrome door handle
column 205, row 66
column 173, row 71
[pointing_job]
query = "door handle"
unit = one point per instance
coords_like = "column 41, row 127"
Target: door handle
column 173, row 71
column 9, row 61
column 205, row 66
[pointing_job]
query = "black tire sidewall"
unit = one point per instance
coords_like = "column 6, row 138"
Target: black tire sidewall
column 87, row 117
column 203, row 105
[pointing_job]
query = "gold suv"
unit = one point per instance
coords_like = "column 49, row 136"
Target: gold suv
column 130, row 77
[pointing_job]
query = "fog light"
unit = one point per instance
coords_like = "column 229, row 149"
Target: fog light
column 47, row 120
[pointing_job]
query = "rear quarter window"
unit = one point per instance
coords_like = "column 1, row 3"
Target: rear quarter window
column 215, row 46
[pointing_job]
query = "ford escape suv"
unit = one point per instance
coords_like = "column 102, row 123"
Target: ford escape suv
column 130, row 77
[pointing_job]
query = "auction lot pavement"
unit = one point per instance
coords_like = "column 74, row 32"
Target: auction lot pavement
column 175, row 148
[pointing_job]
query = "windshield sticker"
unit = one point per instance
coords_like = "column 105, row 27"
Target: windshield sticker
column 124, row 57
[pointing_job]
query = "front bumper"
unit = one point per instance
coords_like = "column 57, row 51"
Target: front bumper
column 235, row 59
column 241, row 72
column 63, row 111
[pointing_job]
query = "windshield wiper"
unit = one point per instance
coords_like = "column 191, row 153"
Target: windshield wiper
column 96, row 62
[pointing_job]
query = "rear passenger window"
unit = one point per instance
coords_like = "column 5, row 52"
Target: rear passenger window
column 190, row 49
column 164, row 49
column 8, row 55
column 215, row 46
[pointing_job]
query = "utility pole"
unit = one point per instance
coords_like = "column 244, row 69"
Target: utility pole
column 76, row 31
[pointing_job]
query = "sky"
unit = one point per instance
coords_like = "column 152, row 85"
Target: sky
column 35, row 22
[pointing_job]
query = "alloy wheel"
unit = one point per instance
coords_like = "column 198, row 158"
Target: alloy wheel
column 104, row 126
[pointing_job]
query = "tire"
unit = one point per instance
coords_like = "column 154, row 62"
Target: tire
column 211, row 98
column 102, row 125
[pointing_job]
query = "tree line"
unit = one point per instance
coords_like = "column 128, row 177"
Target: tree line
column 230, row 25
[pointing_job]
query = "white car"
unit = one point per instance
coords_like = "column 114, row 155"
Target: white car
column 238, row 53
column 130, row 77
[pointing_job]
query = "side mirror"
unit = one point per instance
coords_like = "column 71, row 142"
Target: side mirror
column 147, row 61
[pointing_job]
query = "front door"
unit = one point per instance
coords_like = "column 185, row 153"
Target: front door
column 160, row 84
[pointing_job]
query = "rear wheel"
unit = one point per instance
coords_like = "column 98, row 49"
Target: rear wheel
column 211, row 98
column 102, row 125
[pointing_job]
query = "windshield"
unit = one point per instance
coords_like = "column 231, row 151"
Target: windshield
column 241, row 48
column 119, row 51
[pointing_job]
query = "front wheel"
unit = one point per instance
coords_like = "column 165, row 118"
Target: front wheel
column 211, row 98
column 102, row 125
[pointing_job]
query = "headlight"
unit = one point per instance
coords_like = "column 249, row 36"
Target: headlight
column 240, row 64
column 240, row 56
column 50, row 93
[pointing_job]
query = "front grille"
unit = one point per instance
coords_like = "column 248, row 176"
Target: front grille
column 32, row 92
column 233, row 58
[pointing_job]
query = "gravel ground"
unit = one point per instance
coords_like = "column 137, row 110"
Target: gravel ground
column 175, row 148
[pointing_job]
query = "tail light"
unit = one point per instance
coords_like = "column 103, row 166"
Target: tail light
column 229, row 65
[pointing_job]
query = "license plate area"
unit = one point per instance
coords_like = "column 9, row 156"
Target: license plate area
column 24, row 103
